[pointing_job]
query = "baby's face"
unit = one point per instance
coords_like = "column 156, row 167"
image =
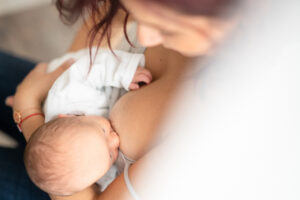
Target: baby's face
column 102, row 126
column 77, row 150
column 98, row 149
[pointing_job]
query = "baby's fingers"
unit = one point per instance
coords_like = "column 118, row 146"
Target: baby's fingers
column 142, row 78
column 62, row 68
column 141, row 70
column 133, row 86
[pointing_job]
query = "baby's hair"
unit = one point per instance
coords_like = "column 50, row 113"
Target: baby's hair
column 44, row 157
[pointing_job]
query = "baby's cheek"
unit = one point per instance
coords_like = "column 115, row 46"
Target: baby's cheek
column 120, row 113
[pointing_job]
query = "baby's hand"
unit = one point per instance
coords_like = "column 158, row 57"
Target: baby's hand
column 141, row 76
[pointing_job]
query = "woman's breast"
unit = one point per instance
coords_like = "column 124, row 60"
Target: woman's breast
column 137, row 115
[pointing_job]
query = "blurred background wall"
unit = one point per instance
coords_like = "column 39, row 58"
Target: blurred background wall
column 32, row 29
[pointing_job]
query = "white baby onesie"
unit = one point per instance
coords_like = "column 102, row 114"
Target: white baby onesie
column 85, row 90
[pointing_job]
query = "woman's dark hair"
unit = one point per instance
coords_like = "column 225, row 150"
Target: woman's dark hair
column 71, row 10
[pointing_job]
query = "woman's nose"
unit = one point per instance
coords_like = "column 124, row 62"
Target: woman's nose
column 149, row 36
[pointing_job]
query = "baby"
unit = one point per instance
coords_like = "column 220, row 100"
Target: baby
column 77, row 145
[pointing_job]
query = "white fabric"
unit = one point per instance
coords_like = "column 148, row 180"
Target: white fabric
column 88, row 90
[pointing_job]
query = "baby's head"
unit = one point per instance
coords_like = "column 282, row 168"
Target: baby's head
column 70, row 153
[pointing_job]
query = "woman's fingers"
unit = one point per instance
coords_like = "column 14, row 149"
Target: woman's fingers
column 9, row 101
column 63, row 67
column 41, row 67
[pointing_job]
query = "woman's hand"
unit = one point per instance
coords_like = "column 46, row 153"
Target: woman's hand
column 32, row 91
column 9, row 101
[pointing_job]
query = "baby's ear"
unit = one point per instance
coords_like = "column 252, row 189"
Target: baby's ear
column 64, row 115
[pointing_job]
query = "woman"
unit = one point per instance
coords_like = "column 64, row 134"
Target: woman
column 190, row 28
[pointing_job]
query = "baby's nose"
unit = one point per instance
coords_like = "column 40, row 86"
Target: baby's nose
column 115, row 140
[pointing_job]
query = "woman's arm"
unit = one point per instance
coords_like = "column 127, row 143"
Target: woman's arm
column 90, row 193
column 31, row 92
column 34, row 88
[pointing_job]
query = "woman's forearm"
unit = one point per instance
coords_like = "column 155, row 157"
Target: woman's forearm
column 28, row 107
column 30, row 94
column 90, row 193
column 31, row 124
